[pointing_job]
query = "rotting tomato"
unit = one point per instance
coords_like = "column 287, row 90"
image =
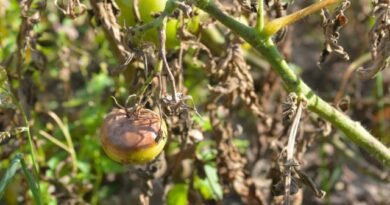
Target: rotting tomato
column 135, row 139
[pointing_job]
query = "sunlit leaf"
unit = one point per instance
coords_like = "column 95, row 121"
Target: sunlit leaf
column 98, row 83
column 84, row 166
column 177, row 195
column 48, row 195
column 241, row 144
column 93, row 89
column 173, row 147
column 203, row 187
column 205, row 150
column 213, row 180
column 204, row 123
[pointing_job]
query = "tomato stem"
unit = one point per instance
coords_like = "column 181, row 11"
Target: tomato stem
column 352, row 129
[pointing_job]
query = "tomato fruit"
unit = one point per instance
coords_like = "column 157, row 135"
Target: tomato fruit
column 146, row 9
column 135, row 139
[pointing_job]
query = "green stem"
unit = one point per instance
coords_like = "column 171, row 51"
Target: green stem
column 149, row 79
column 381, row 103
column 260, row 16
column 152, row 24
column 29, row 137
column 170, row 6
column 34, row 185
column 352, row 129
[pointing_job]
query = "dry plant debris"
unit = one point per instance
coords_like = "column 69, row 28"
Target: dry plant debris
column 331, row 25
column 379, row 40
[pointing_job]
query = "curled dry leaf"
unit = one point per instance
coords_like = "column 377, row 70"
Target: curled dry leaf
column 233, row 77
column 290, row 107
column 230, row 163
column 379, row 39
column 331, row 25
column 306, row 180
column 278, row 188
column 106, row 13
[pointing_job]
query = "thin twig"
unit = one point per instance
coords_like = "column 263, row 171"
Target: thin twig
column 54, row 140
column 347, row 74
column 290, row 152
column 180, row 66
column 65, row 131
column 162, row 38
column 181, row 53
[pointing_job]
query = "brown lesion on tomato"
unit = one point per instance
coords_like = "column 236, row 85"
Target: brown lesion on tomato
column 132, row 134
column 136, row 132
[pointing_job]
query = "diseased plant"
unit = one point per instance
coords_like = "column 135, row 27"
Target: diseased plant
column 229, row 59
column 260, row 37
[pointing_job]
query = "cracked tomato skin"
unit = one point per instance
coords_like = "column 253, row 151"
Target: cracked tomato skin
column 137, row 139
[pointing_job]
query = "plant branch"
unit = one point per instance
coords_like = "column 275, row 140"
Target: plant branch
column 275, row 25
column 104, row 12
column 352, row 129
column 162, row 39
column 348, row 73
column 260, row 16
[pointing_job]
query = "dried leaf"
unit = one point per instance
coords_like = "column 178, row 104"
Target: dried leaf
column 331, row 25
column 4, row 136
column 305, row 179
column 249, row 5
column 235, row 81
column 289, row 107
column 380, row 41
column 278, row 189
